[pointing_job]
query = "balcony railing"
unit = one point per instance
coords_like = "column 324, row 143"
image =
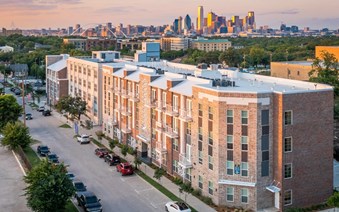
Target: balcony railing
column 237, row 179
column 117, row 107
column 159, row 125
column 125, row 111
column 188, row 139
column 160, row 106
column 152, row 103
column 134, row 96
column 124, row 93
column 126, row 129
column 114, row 122
column 186, row 114
column 185, row 161
column 160, row 148
column 171, row 132
column 117, row 90
column 144, row 135
column 174, row 111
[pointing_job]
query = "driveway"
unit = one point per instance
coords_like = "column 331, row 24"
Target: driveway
column 117, row 193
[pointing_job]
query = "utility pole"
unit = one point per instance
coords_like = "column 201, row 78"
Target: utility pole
column 23, row 98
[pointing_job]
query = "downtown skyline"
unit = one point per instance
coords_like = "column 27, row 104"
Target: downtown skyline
column 61, row 13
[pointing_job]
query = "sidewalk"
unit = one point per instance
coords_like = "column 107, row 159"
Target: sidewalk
column 169, row 185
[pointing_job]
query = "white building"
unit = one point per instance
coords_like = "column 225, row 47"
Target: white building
column 5, row 49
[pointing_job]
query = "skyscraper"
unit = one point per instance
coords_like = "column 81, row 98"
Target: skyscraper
column 210, row 19
column 187, row 22
column 180, row 24
column 251, row 19
column 200, row 22
column 175, row 25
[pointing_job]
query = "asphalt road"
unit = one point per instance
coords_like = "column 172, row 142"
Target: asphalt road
column 117, row 193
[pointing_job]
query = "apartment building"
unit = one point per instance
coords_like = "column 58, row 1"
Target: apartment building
column 211, row 44
column 244, row 140
column 85, row 80
column 56, row 77
column 174, row 43
column 91, row 43
column 297, row 70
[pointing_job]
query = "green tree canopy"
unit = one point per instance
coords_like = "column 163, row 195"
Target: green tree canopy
column 231, row 57
column 75, row 106
column 16, row 135
column 326, row 71
column 9, row 109
column 48, row 187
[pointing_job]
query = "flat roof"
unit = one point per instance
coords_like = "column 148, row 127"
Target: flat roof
column 302, row 63
column 212, row 41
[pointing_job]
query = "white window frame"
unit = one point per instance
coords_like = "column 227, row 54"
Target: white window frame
column 209, row 187
column 285, row 171
column 246, row 111
column 230, row 193
column 287, row 111
column 232, row 167
column 228, row 116
column 200, row 182
column 290, row 190
column 289, row 137
column 244, row 169
column 244, row 195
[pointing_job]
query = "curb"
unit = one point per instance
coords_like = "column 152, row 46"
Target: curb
column 18, row 161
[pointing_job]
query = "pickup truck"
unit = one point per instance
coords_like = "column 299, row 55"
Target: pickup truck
column 83, row 139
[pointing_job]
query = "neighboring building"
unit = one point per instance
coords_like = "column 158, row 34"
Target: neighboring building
column 132, row 45
column 150, row 52
column 91, row 43
column 6, row 32
column 200, row 19
column 42, row 46
column 174, row 43
column 85, row 80
column 79, row 43
column 331, row 49
column 211, row 45
column 56, row 78
column 187, row 23
column 297, row 70
column 244, row 140
column 19, row 70
column 6, row 49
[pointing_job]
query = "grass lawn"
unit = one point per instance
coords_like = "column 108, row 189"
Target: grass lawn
column 98, row 143
column 65, row 126
column 160, row 187
column 35, row 160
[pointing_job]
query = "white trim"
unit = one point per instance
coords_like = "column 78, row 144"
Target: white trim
column 291, row 197
column 236, row 183
column 235, row 100
column 291, row 117
column 232, row 194
column 18, row 161
column 286, row 178
column 291, row 144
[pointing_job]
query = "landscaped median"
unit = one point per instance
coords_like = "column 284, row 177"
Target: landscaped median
column 32, row 158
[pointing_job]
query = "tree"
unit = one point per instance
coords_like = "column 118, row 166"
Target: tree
column 258, row 56
column 326, row 71
column 158, row 173
column 231, row 57
column 16, row 135
column 124, row 150
column 9, row 109
column 48, row 187
column 6, row 71
column 75, row 106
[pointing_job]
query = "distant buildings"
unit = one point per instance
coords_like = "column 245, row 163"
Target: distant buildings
column 175, row 43
column 7, row 32
column 211, row 44
column 150, row 52
column 19, row 70
column 6, row 49
column 56, row 77
column 200, row 19
column 330, row 49
column 91, row 43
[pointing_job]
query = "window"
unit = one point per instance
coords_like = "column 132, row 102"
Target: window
column 210, row 187
column 288, row 197
column 244, row 195
column 89, row 85
column 288, row 171
column 200, row 182
column 244, row 169
column 229, row 167
column 288, row 144
column 95, row 87
column 200, row 109
column 210, row 162
column 244, row 117
column 210, row 113
column 288, row 117
column 244, row 143
column 229, row 141
column 200, row 157
column 229, row 116
column 210, row 137
column 175, row 166
column 175, row 144
column 230, row 194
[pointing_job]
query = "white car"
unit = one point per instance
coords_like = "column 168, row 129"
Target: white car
column 84, row 139
column 41, row 108
column 177, row 206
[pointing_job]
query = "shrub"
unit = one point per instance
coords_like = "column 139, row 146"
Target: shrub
column 334, row 200
column 124, row 150
column 207, row 200
column 196, row 192
column 177, row 181
column 100, row 134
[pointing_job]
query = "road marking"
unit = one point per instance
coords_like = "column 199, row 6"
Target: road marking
column 17, row 160
column 154, row 206
column 142, row 190
column 122, row 179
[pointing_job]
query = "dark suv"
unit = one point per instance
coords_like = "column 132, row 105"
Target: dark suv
column 112, row 159
column 53, row 158
column 46, row 112
column 89, row 202
column 79, row 188
column 42, row 150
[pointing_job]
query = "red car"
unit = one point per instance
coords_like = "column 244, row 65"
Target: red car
column 101, row 152
column 125, row 168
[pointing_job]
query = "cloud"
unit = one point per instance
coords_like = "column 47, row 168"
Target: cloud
column 283, row 12
column 35, row 4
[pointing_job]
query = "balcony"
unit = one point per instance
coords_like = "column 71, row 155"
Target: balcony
column 236, row 180
column 114, row 122
column 124, row 93
column 160, row 106
column 134, row 96
column 117, row 107
column 171, row 132
column 144, row 135
column 159, row 126
column 117, row 90
column 126, row 129
column 125, row 111
column 186, row 115
column 160, row 148
column 151, row 103
column 173, row 111
column 185, row 161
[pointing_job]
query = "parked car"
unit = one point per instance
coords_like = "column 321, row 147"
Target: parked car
column 79, row 188
column 46, row 112
column 43, row 151
column 125, row 168
column 12, row 89
column 112, row 159
column 17, row 91
column 83, row 139
column 89, row 201
column 177, row 206
column 29, row 116
column 70, row 175
column 52, row 158
column 101, row 152
column 41, row 108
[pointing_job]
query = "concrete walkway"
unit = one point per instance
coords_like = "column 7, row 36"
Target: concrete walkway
column 190, row 199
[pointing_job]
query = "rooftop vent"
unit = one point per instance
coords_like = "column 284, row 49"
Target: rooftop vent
column 223, row 83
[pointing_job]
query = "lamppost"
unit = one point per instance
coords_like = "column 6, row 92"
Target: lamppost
column 23, row 76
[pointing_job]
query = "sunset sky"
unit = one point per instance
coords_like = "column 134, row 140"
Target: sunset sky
column 28, row 14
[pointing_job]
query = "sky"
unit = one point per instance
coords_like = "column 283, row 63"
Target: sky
column 37, row 14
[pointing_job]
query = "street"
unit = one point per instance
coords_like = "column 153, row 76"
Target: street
column 117, row 193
